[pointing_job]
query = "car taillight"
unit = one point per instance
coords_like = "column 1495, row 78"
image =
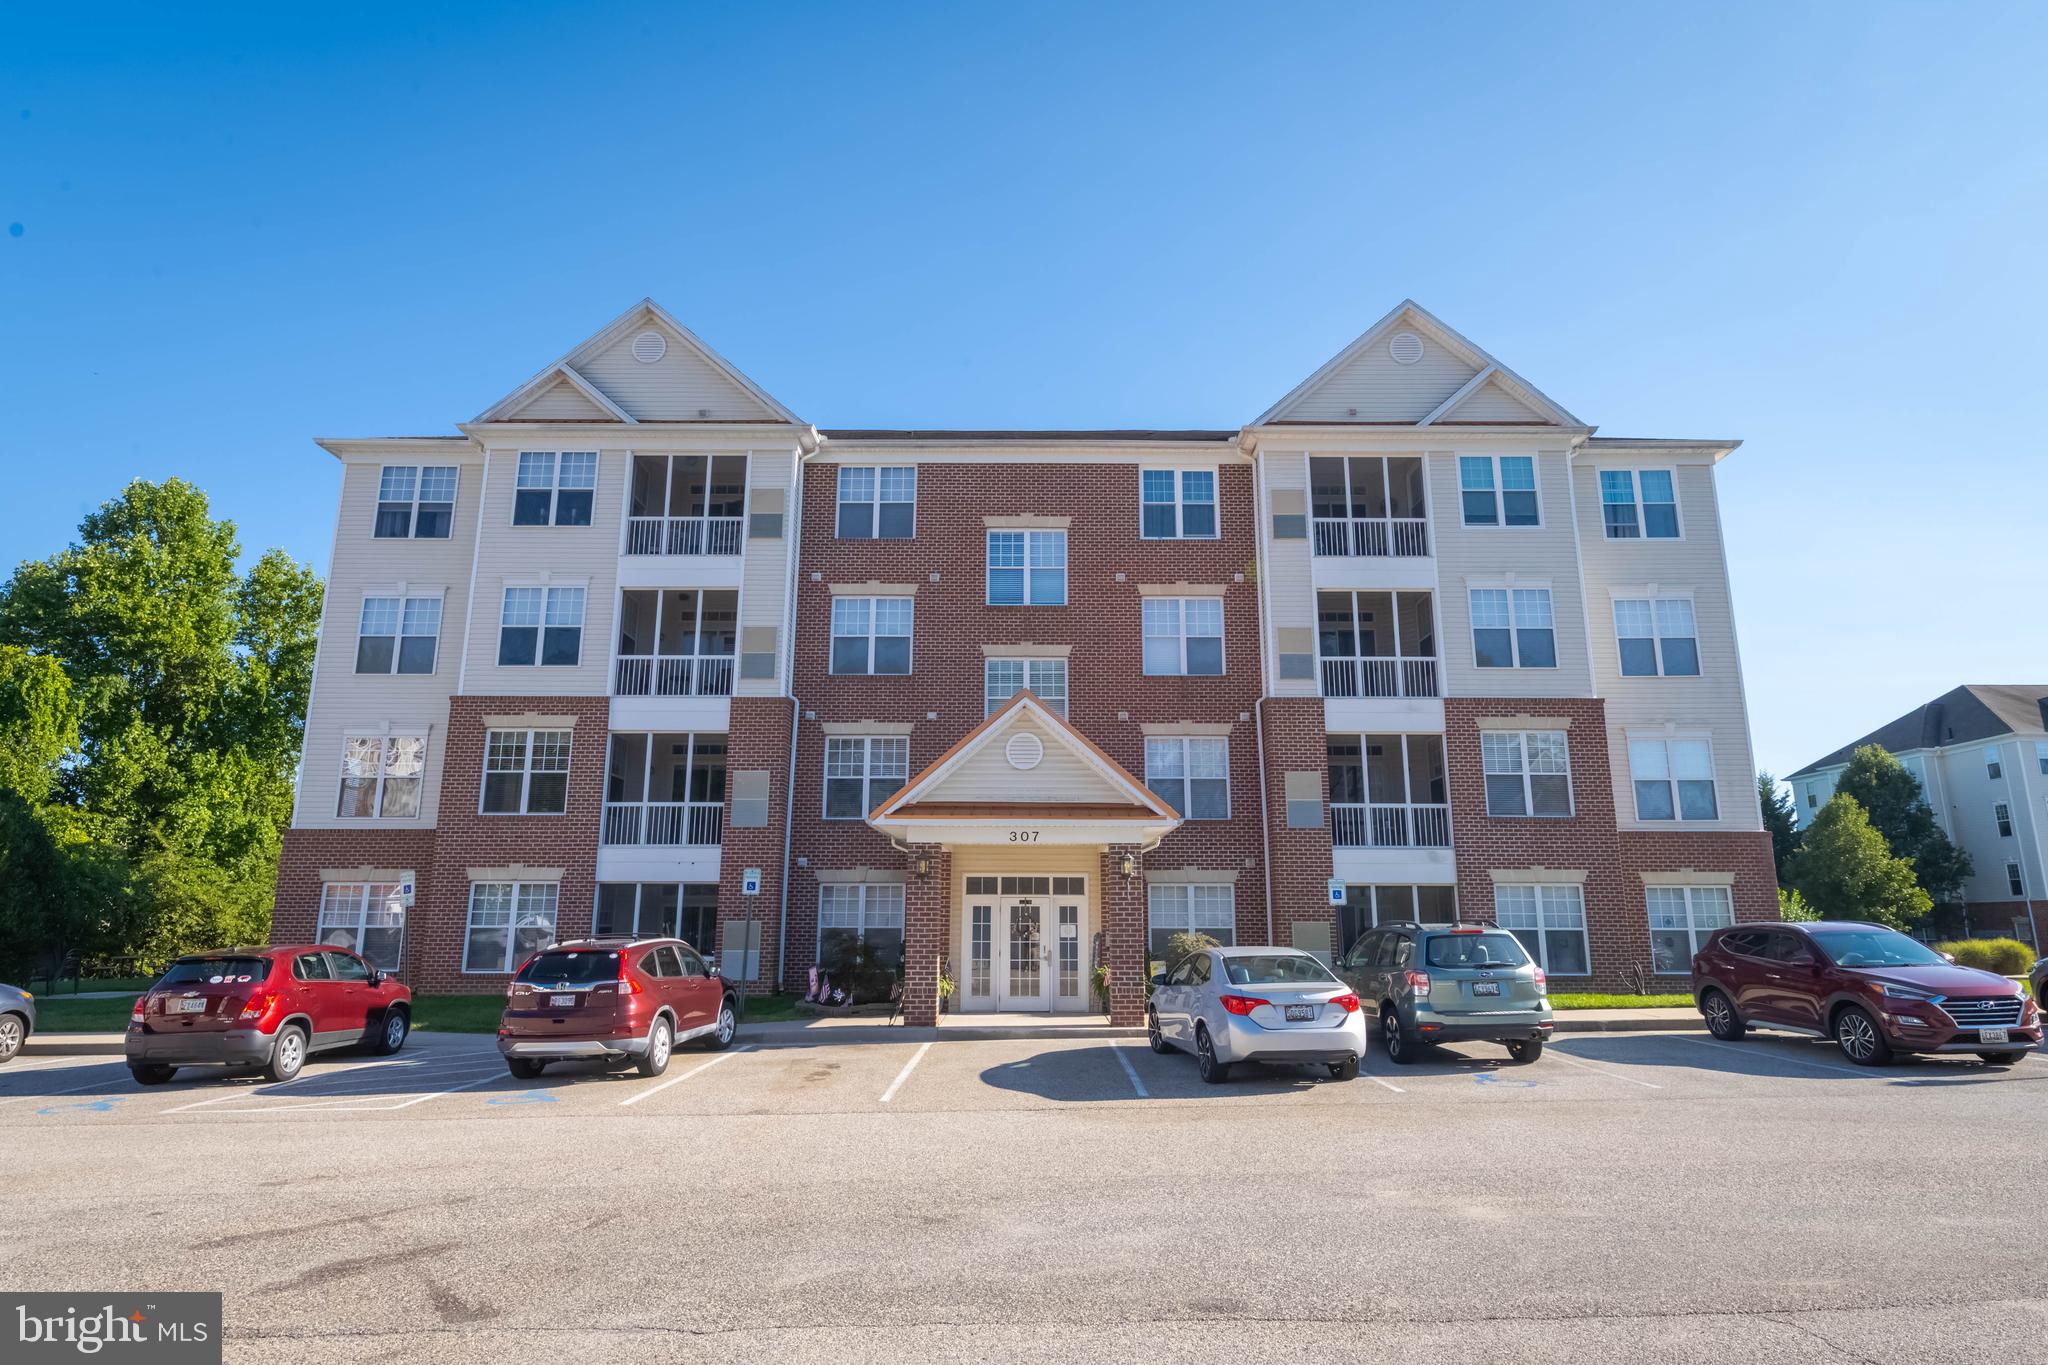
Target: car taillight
column 627, row 985
column 256, row 1006
column 1542, row 981
column 1347, row 1003
column 141, row 1008
column 1419, row 982
column 1240, row 1004
column 1469, row 929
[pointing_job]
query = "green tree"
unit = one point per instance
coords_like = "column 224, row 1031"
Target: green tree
column 1843, row 870
column 1780, row 819
column 38, row 722
column 1899, row 811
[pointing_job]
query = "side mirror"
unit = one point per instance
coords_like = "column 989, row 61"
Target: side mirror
column 1949, row 958
column 379, row 977
column 714, row 969
column 1159, row 978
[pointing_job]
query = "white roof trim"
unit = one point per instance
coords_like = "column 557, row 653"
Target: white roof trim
column 595, row 395
column 1471, row 386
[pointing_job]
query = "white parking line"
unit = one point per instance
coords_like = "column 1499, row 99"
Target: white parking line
column 74, row 1090
column 904, row 1074
column 1760, row 1052
column 1602, row 1071
column 1383, row 1083
column 1116, row 1049
column 678, row 1080
column 494, row 1075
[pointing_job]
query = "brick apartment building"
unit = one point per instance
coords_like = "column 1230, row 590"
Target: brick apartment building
column 638, row 651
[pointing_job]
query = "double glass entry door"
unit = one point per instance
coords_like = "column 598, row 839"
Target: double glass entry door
column 1024, row 951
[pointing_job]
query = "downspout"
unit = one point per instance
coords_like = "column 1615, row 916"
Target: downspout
column 806, row 443
column 1267, row 644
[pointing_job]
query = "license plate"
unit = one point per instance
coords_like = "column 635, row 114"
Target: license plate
column 1991, row 1035
column 187, row 1005
column 561, row 1002
column 1298, row 1014
column 1486, row 988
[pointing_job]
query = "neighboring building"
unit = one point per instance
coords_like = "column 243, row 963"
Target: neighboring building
column 640, row 650
column 1981, row 755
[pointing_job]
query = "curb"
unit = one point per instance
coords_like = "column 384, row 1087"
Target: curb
column 1567, row 1024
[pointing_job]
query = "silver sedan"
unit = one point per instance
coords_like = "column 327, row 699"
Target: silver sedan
column 1275, row 1005
column 17, row 1020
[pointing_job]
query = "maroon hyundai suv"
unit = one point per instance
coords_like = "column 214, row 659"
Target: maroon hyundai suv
column 1873, row 990
column 614, row 1000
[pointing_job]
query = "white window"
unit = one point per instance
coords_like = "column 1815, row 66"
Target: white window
column 1178, row 504
column 871, row 634
column 526, row 772
column 861, row 916
column 2001, row 813
column 1681, row 918
column 1190, row 774
column 1513, row 628
column 1002, row 679
column 1027, row 568
column 398, row 634
column 1498, row 490
column 1992, row 769
column 541, row 626
column 366, row 918
column 1674, row 779
column 508, row 922
column 862, row 771
column 1528, row 772
column 415, row 501
column 1656, row 636
column 381, row 777
column 1654, row 516
column 1183, row 636
column 1550, row 921
column 554, row 490
column 2041, row 755
column 2014, row 880
column 1183, row 909
column 877, row 503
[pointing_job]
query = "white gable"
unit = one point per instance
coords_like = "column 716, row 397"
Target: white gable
column 1063, row 774
column 559, row 400
column 1375, row 387
column 1492, row 402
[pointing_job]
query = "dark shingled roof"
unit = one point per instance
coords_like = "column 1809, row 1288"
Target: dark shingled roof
column 1972, row 711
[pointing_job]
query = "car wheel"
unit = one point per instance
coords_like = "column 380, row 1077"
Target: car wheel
column 1213, row 1071
column 397, row 1024
column 525, row 1068
column 152, row 1073
column 1522, row 1051
column 1394, row 1039
column 661, row 1041
column 13, row 1033
column 1722, row 1020
column 1153, row 1035
column 728, row 1026
column 287, row 1054
column 1344, row 1071
column 1856, row 1033
column 2001, row 1058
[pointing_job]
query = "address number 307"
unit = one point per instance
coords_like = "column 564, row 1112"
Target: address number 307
column 1023, row 836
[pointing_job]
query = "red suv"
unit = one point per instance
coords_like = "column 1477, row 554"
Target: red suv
column 614, row 999
column 264, row 1007
column 1871, row 989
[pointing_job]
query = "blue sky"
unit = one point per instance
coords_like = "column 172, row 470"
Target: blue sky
column 229, row 230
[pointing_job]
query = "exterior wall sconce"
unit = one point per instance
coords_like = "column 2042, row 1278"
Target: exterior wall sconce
column 1130, row 866
column 924, row 867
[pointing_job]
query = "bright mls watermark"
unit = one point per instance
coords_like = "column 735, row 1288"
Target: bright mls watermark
column 167, row 1329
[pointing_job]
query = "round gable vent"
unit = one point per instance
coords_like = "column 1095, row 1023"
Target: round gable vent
column 649, row 347
column 1406, row 348
column 1024, row 751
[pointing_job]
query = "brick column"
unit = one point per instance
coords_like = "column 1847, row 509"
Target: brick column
column 927, row 911
column 757, row 743
column 1123, row 935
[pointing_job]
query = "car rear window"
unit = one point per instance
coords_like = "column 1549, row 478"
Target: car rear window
column 1476, row 950
column 1276, row 969
column 205, row 969
column 577, row 969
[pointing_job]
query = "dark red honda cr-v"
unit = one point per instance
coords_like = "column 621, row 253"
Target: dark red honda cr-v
column 614, row 1000
column 1871, row 989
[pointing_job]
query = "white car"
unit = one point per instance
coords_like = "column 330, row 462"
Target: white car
column 1275, row 1005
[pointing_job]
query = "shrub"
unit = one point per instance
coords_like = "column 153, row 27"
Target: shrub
column 1180, row 944
column 2006, row 956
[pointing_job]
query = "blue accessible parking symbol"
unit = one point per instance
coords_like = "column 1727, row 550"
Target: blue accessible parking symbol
column 102, row 1106
column 524, row 1097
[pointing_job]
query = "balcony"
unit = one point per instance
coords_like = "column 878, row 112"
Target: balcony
column 1388, row 791
column 1377, row 644
column 684, row 535
column 1404, row 825
column 1361, row 537
column 663, row 823
column 1379, row 678
column 675, row 642
column 663, row 675
column 687, row 505
column 1368, row 506
column 664, row 790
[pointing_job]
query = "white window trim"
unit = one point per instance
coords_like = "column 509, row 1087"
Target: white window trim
column 1631, row 738
column 990, row 703
column 1181, row 635
column 1528, row 792
column 1692, row 925
column 385, row 735
column 404, row 594
column 412, row 522
column 1542, row 952
column 1511, row 585
column 511, row 927
column 554, row 487
column 1187, row 898
column 1635, row 488
column 1030, row 534
column 867, row 774
column 525, row 775
column 360, row 898
column 832, row 636
column 2001, row 818
column 1653, row 593
column 1994, row 763
column 2016, row 880
column 1187, row 778
column 874, row 503
column 1215, row 505
column 547, row 586
column 1500, row 506
column 865, row 893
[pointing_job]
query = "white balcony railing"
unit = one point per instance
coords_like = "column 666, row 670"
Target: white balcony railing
column 683, row 535
column 1379, row 537
column 669, row 675
column 1379, row 678
column 1377, row 825
column 663, row 823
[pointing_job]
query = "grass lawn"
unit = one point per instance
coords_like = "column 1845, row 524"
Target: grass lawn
column 57, row 1015
column 135, row 984
column 1592, row 1000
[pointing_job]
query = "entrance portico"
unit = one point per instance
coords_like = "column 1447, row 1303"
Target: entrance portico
column 1023, row 847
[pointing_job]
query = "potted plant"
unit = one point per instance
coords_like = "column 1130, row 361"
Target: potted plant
column 946, row 988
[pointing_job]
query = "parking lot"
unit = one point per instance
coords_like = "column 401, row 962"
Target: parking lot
column 974, row 1200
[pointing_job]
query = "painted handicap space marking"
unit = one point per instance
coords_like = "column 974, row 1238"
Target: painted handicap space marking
column 525, row 1097
column 99, row 1106
column 1485, row 1078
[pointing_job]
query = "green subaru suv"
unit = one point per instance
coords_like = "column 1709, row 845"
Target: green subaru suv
column 1449, row 983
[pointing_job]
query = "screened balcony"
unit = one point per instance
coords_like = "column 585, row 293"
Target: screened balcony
column 1377, row 644
column 1388, row 791
column 1368, row 505
column 676, row 642
column 664, row 789
column 687, row 505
